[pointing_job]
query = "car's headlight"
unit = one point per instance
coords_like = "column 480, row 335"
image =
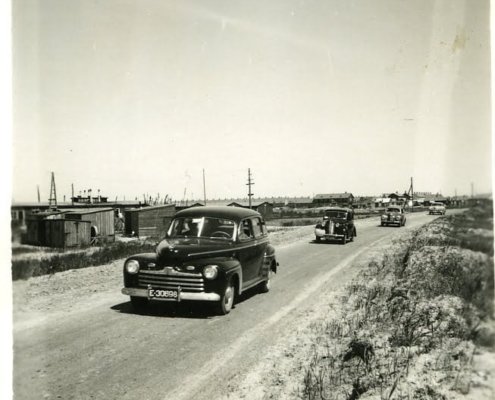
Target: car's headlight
column 337, row 224
column 210, row 271
column 132, row 266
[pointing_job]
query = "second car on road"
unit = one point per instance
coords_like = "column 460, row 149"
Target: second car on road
column 394, row 215
column 337, row 224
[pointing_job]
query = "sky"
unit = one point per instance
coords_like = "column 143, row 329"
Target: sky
column 135, row 97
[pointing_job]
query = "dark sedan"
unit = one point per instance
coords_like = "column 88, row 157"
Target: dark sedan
column 337, row 224
column 394, row 215
column 209, row 254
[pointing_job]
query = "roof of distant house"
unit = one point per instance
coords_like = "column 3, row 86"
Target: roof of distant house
column 344, row 195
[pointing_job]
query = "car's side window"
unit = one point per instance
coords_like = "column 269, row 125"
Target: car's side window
column 258, row 227
column 245, row 230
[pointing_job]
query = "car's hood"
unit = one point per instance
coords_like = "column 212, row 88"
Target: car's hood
column 187, row 248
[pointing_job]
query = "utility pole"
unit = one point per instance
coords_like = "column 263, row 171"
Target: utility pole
column 38, row 189
column 411, row 193
column 249, row 184
column 472, row 189
column 204, row 186
column 72, row 197
column 52, row 201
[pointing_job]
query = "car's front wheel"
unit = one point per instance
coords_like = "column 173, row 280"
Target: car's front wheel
column 226, row 299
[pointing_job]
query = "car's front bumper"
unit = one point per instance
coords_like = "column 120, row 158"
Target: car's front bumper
column 391, row 222
column 139, row 292
column 320, row 233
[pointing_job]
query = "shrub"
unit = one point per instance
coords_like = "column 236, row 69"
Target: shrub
column 26, row 268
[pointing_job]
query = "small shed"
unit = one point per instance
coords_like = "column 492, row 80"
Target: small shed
column 102, row 221
column 35, row 226
column 148, row 221
column 67, row 233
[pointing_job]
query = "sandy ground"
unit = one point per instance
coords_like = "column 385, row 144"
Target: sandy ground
column 277, row 375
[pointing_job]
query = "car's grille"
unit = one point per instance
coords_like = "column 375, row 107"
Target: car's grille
column 172, row 280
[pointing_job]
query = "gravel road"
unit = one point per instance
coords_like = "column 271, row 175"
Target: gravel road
column 76, row 337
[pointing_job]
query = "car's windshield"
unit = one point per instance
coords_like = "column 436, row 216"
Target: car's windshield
column 393, row 209
column 209, row 227
column 336, row 214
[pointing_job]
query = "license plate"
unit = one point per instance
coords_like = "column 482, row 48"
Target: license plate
column 163, row 294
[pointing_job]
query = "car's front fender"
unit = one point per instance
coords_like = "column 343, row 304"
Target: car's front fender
column 143, row 259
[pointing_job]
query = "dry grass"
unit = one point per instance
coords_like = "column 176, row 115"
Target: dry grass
column 410, row 323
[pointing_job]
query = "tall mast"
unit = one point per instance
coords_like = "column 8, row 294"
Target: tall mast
column 52, row 201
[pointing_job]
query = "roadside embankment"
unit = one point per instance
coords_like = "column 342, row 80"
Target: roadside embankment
column 415, row 323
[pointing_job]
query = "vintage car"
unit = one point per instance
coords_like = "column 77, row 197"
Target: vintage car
column 337, row 224
column 209, row 254
column 436, row 208
column 394, row 215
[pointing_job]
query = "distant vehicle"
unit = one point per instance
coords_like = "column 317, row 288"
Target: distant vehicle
column 337, row 224
column 209, row 254
column 437, row 208
column 394, row 215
